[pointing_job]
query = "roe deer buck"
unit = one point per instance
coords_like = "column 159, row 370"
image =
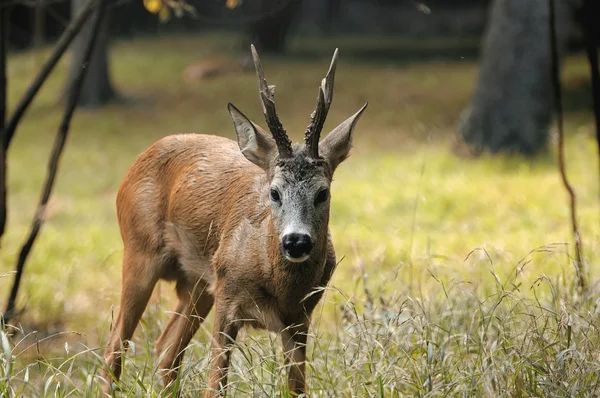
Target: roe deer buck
column 243, row 227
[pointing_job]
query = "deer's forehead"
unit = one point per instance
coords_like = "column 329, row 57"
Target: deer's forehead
column 301, row 171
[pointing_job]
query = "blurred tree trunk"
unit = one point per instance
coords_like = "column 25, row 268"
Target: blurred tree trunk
column 122, row 21
column 511, row 107
column 3, row 106
column 333, row 7
column 97, row 88
column 39, row 36
column 269, row 31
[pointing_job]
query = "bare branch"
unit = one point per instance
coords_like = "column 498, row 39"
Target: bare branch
column 579, row 266
column 63, row 43
column 59, row 144
column 591, row 9
column 3, row 101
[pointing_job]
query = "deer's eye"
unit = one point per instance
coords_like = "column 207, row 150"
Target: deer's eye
column 275, row 197
column 322, row 196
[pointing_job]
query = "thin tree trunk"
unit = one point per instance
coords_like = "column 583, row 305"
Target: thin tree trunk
column 555, row 75
column 39, row 23
column 591, row 11
column 97, row 88
column 269, row 34
column 332, row 8
column 3, row 106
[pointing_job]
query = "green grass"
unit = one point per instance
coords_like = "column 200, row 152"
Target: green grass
column 470, row 286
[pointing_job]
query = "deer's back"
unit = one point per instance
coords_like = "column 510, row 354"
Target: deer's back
column 185, row 190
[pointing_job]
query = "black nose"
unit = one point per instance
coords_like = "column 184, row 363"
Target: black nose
column 297, row 245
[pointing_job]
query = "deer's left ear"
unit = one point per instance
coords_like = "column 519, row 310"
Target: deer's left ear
column 336, row 146
column 255, row 145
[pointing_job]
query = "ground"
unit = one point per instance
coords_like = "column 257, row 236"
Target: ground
column 467, row 284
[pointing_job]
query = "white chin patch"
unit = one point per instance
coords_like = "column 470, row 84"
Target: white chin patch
column 296, row 259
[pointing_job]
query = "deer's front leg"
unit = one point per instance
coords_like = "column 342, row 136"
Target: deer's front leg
column 294, row 348
column 224, row 333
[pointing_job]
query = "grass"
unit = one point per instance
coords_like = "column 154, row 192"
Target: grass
column 456, row 276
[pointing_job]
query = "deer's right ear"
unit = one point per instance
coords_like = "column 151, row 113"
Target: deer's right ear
column 336, row 146
column 255, row 145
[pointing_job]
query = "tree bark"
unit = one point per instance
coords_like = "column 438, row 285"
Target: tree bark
column 3, row 106
column 511, row 108
column 591, row 11
column 97, row 88
column 333, row 7
column 39, row 30
column 269, row 33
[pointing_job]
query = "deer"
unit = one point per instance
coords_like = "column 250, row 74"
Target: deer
column 239, row 226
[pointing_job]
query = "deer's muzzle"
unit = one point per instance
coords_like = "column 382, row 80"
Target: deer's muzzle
column 296, row 247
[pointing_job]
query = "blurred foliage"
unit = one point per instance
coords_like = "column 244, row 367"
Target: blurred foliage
column 153, row 6
column 163, row 8
column 231, row 4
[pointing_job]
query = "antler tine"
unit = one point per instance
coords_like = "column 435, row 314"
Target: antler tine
column 317, row 118
column 267, row 100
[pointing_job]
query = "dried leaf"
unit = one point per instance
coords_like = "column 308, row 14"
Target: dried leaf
column 231, row 4
column 153, row 6
column 423, row 8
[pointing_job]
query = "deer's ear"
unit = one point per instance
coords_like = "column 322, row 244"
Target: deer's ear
column 255, row 145
column 336, row 146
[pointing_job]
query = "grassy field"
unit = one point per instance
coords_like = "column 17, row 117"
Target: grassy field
column 467, row 286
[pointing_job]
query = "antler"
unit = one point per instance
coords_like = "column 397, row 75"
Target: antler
column 317, row 118
column 267, row 99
